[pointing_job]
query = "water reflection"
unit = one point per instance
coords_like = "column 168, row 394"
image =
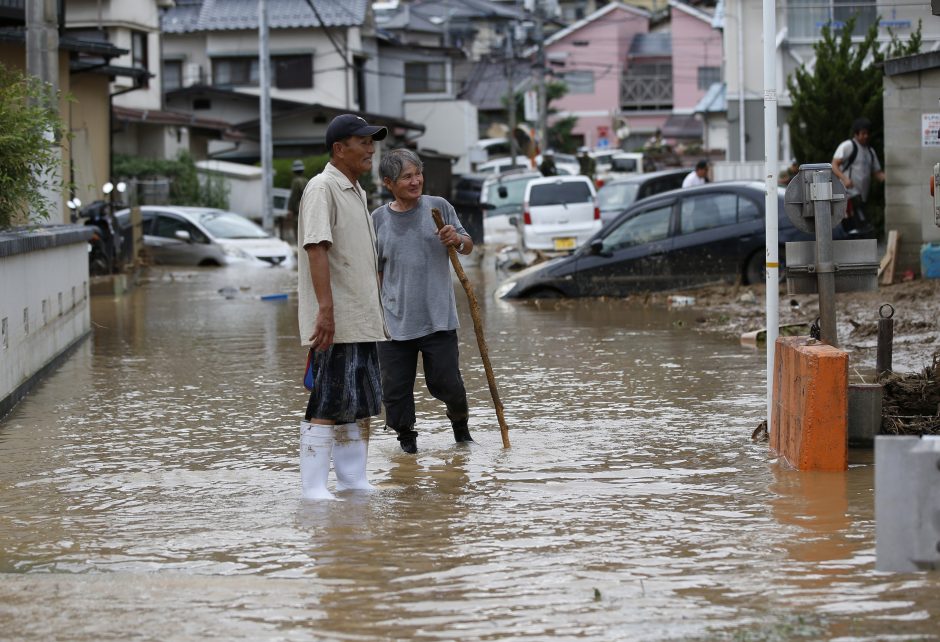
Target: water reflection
column 156, row 474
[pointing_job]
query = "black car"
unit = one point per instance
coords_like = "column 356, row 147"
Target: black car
column 617, row 195
column 678, row 239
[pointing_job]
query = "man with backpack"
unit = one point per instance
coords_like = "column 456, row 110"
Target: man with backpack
column 855, row 163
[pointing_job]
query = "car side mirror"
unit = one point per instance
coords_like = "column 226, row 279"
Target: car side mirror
column 502, row 191
column 183, row 235
column 597, row 248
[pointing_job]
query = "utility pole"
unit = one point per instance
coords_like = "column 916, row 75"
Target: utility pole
column 264, row 78
column 511, row 102
column 42, row 61
column 541, row 69
column 771, row 167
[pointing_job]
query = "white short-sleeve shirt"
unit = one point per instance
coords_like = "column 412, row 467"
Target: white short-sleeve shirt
column 335, row 210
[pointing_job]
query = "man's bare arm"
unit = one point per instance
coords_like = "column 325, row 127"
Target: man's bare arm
column 324, row 328
column 837, row 170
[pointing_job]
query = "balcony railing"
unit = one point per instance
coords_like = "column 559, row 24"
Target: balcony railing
column 644, row 91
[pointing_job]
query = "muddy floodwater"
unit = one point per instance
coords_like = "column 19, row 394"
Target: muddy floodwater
column 149, row 490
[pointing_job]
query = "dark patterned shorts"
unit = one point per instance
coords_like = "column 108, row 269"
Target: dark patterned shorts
column 346, row 383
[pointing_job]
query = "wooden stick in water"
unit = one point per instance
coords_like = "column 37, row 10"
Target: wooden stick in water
column 478, row 329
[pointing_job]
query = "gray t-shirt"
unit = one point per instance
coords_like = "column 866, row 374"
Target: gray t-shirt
column 860, row 171
column 417, row 285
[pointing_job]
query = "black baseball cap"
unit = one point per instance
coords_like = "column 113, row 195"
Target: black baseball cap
column 348, row 125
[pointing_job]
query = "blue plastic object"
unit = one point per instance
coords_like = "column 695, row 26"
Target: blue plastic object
column 308, row 373
column 930, row 260
column 273, row 297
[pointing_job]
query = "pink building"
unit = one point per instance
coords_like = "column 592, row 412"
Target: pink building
column 696, row 55
column 625, row 82
column 591, row 56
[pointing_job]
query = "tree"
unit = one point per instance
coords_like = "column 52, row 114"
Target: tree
column 30, row 148
column 845, row 84
column 186, row 186
column 559, row 132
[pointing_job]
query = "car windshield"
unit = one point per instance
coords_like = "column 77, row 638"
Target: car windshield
column 624, row 165
column 560, row 193
column 617, row 196
column 227, row 225
column 515, row 192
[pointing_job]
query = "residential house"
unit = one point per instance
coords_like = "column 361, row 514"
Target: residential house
column 324, row 62
column 799, row 23
column 424, row 58
column 696, row 66
column 140, row 124
column 618, row 75
column 86, row 70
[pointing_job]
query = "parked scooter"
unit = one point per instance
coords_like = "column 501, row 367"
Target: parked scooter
column 105, row 246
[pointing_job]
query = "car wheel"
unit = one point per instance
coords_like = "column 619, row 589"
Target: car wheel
column 755, row 271
column 208, row 263
column 544, row 293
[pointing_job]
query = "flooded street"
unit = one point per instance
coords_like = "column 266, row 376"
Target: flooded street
column 150, row 490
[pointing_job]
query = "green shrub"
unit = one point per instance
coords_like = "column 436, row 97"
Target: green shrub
column 186, row 188
column 30, row 149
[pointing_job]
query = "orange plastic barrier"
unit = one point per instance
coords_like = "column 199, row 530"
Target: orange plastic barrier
column 810, row 405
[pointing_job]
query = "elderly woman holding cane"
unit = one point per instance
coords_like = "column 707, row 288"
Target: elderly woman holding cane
column 418, row 297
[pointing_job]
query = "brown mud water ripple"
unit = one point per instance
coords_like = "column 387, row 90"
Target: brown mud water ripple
column 911, row 402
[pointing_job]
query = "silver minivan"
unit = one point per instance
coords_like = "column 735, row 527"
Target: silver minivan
column 560, row 213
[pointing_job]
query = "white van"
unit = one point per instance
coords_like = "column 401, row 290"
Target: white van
column 560, row 213
column 501, row 198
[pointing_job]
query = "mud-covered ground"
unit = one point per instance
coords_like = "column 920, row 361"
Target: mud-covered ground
column 736, row 310
column 911, row 393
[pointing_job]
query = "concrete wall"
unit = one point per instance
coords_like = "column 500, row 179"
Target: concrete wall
column 908, row 95
column 89, row 148
column 44, row 309
column 451, row 127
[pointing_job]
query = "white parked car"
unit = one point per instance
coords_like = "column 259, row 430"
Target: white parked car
column 565, row 163
column 501, row 198
column 560, row 213
column 503, row 164
column 202, row 236
column 621, row 164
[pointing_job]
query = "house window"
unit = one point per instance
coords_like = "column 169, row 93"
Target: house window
column 707, row 76
column 425, row 78
column 805, row 18
column 293, row 72
column 139, row 57
column 579, row 82
column 240, row 70
column 172, row 74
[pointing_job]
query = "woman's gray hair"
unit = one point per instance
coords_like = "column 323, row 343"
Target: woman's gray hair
column 394, row 161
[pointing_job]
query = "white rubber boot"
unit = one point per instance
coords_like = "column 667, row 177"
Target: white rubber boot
column 316, row 445
column 350, row 453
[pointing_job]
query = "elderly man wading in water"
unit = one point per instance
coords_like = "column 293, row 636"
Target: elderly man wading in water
column 340, row 312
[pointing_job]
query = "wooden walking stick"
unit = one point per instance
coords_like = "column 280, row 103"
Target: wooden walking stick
column 478, row 329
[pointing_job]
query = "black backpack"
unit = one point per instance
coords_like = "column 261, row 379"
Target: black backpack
column 851, row 159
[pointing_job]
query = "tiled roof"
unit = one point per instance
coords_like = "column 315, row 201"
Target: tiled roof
column 225, row 15
column 488, row 85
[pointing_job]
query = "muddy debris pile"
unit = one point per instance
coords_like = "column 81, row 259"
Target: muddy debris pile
column 911, row 402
